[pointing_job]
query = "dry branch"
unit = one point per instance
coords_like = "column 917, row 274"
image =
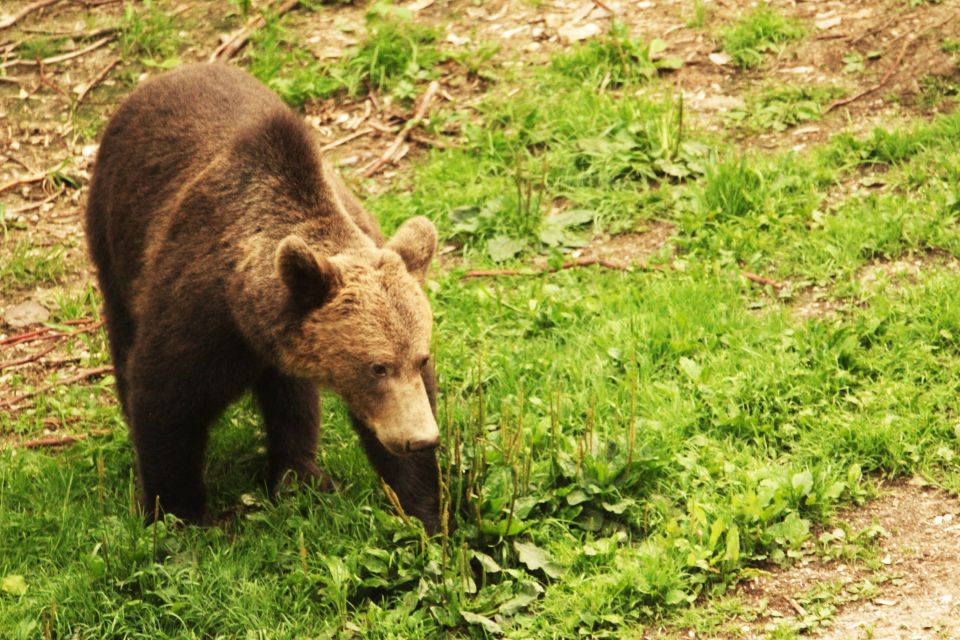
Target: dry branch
column 97, row 79
column 33, row 357
column 229, row 47
column 397, row 143
column 896, row 65
column 14, row 403
column 61, row 58
column 39, row 203
column 27, row 10
column 753, row 277
column 573, row 264
column 61, row 440
column 345, row 139
column 16, row 182
column 883, row 81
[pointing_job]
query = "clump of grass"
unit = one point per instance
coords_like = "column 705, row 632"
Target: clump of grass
column 24, row 265
column 761, row 31
column 780, row 108
column 40, row 47
column 395, row 57
column 615, row 59
column 149, row 35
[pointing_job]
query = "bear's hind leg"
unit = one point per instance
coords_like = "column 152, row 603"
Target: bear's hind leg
column 291, row 414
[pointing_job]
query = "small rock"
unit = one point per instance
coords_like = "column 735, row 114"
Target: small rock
column 828, row 23
column 25, row 314
column 720, row 59
column 722, row 103
column 885, row 602
column 570, row 33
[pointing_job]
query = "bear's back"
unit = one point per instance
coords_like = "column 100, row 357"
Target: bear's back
column 161, row 138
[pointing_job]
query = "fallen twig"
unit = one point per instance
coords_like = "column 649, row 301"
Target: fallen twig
column 27, row 10
column 229, row 47
column 753, row 277
column 417, row 118
column 883, row 81
column 16, row 182
column 39, row 203
column 82, row 375
column 97, row 79
column 60, row 440
column 603, row 5
column 896, row 65
column 345, row 139
column 579, row 262
column 33, row 357
column 61, row 58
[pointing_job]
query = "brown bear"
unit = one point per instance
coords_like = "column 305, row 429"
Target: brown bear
column 230, row 257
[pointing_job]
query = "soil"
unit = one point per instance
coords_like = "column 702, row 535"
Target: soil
column 913, row 593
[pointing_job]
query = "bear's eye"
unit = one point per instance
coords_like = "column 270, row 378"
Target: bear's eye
column 424, row 362
column 379, row 370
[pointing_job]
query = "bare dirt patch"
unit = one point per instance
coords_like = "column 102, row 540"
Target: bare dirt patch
column 629, row 249
column 913, row 593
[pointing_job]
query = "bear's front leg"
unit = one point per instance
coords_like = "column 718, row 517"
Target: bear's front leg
column 291, row 413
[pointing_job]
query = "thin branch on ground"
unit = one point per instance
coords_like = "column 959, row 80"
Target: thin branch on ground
column 39, row 203
column 417, row 119
column 229, row 47
column 15, row 403
column 345, row 139
column 61, row 58
column 753, row 277
column 573, row 264
column 27, row 10
column 33, row 357
column 60, row 440
column 97, row 79
column 17, row 182
column 893, row 68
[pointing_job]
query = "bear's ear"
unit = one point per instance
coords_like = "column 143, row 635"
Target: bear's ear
column 416, row 242
column 311, row 279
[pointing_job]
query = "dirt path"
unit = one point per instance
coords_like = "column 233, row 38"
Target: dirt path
column 911, row 591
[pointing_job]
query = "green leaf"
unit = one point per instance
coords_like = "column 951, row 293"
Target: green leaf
column 732, row 553
column 536, row 558
column 691, row 368
column 489, row 564
column 571, row 218
column 657, row 46
column 517, row 603
column 14, row 584
column 483, row 621
column 676, row 596
column 503, row 248
column 670, row 62
column 802, row 482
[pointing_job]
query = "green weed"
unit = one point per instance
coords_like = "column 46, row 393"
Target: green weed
column 761, row 31
column 149, row 35
column 615, row 59
column 778, row 109
column 22, row 264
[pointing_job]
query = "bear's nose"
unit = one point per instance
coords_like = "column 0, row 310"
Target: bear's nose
column 423, row 444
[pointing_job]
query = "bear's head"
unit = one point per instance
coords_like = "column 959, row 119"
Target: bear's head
column 362, row 328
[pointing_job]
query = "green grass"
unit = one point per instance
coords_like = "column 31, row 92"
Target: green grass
column 150, row 35
column 24, row 265
column 620, row 446
column 757, row 33
column 615, row 59
column 779, row 108
column 394, row 58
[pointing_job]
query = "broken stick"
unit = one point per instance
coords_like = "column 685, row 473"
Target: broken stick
column 579, row 262
column 417, row 118
column 97, row 79
column 229, row 47
column 61, row 58
column 23, row 13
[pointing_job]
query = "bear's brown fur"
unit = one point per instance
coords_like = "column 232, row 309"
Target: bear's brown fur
column 231, row 257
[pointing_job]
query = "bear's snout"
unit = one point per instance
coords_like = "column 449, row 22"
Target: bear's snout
column 423, row 444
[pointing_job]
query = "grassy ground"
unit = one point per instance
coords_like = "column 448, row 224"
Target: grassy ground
column 622, row 446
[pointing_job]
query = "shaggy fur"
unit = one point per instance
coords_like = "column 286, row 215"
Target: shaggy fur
column 230, row 257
